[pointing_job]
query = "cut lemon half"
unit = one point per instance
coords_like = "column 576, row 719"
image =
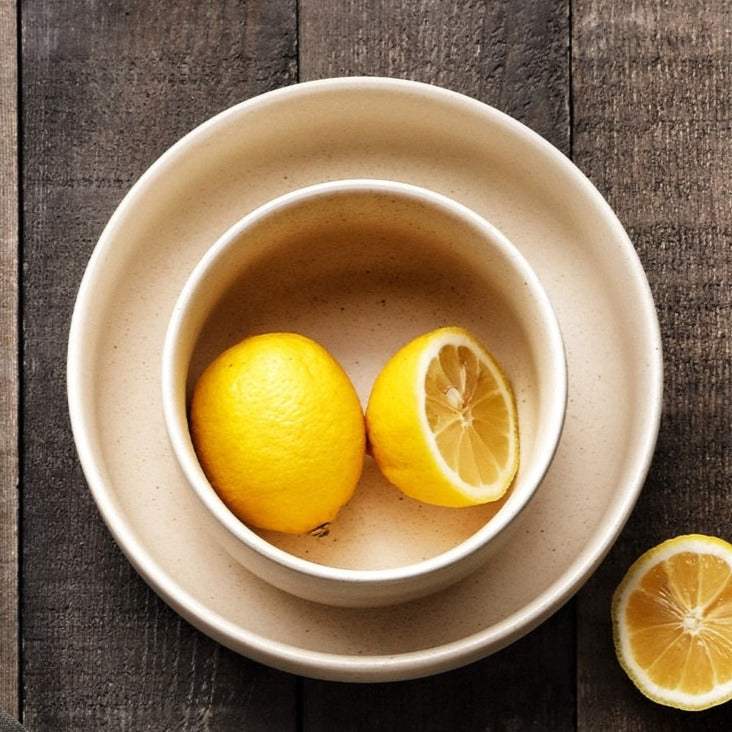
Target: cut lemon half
column 442, row 422
column 672, row 622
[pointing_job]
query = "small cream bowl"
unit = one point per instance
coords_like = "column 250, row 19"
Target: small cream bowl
column 362, row 267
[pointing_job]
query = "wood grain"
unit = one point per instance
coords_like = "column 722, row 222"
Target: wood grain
column 512, row 55
column 653, row 129
column 9, row 631
column 529, row 685
column 508, row 53
column 107, row 87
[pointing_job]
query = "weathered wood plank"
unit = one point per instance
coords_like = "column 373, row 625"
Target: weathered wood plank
column 107, row 87
column 653, row 129
column 508, row 53
column 9, row 649
column 529, row 685
column 512, row 55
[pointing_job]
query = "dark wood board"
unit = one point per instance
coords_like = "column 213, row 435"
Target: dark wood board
column 107, row 87
column 9, row 630
column 637, row 93
column 511, row 54
column 514, row 56
column 480, row 696
column 653, row 130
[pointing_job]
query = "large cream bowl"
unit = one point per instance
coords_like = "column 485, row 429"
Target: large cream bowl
column 441, row 140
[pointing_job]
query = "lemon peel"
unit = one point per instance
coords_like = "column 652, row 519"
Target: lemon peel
column 279, row 431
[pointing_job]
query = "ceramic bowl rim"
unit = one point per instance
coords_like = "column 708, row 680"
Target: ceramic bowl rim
column 179, row 436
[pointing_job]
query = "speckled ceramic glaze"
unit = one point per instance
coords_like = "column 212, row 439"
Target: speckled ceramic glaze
column 394, row 130
column 363, row 267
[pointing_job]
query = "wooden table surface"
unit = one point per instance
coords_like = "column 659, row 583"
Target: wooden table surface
column 636, row 92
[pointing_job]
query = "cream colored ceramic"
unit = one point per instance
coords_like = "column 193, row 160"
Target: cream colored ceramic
column 395, row 130
column 330, row 261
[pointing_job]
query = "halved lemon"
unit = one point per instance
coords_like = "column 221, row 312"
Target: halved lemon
column 672, row 622
column 442, row 421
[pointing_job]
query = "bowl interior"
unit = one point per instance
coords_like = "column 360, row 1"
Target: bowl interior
column 363, row 268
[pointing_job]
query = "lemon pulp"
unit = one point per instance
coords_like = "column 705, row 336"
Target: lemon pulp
column 672, row 622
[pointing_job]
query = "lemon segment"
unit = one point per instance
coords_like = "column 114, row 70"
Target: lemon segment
column 672, row 622
column 442, row 421
column 279, row 431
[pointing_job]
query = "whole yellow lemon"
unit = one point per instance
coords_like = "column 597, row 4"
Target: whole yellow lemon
column 279, row 431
